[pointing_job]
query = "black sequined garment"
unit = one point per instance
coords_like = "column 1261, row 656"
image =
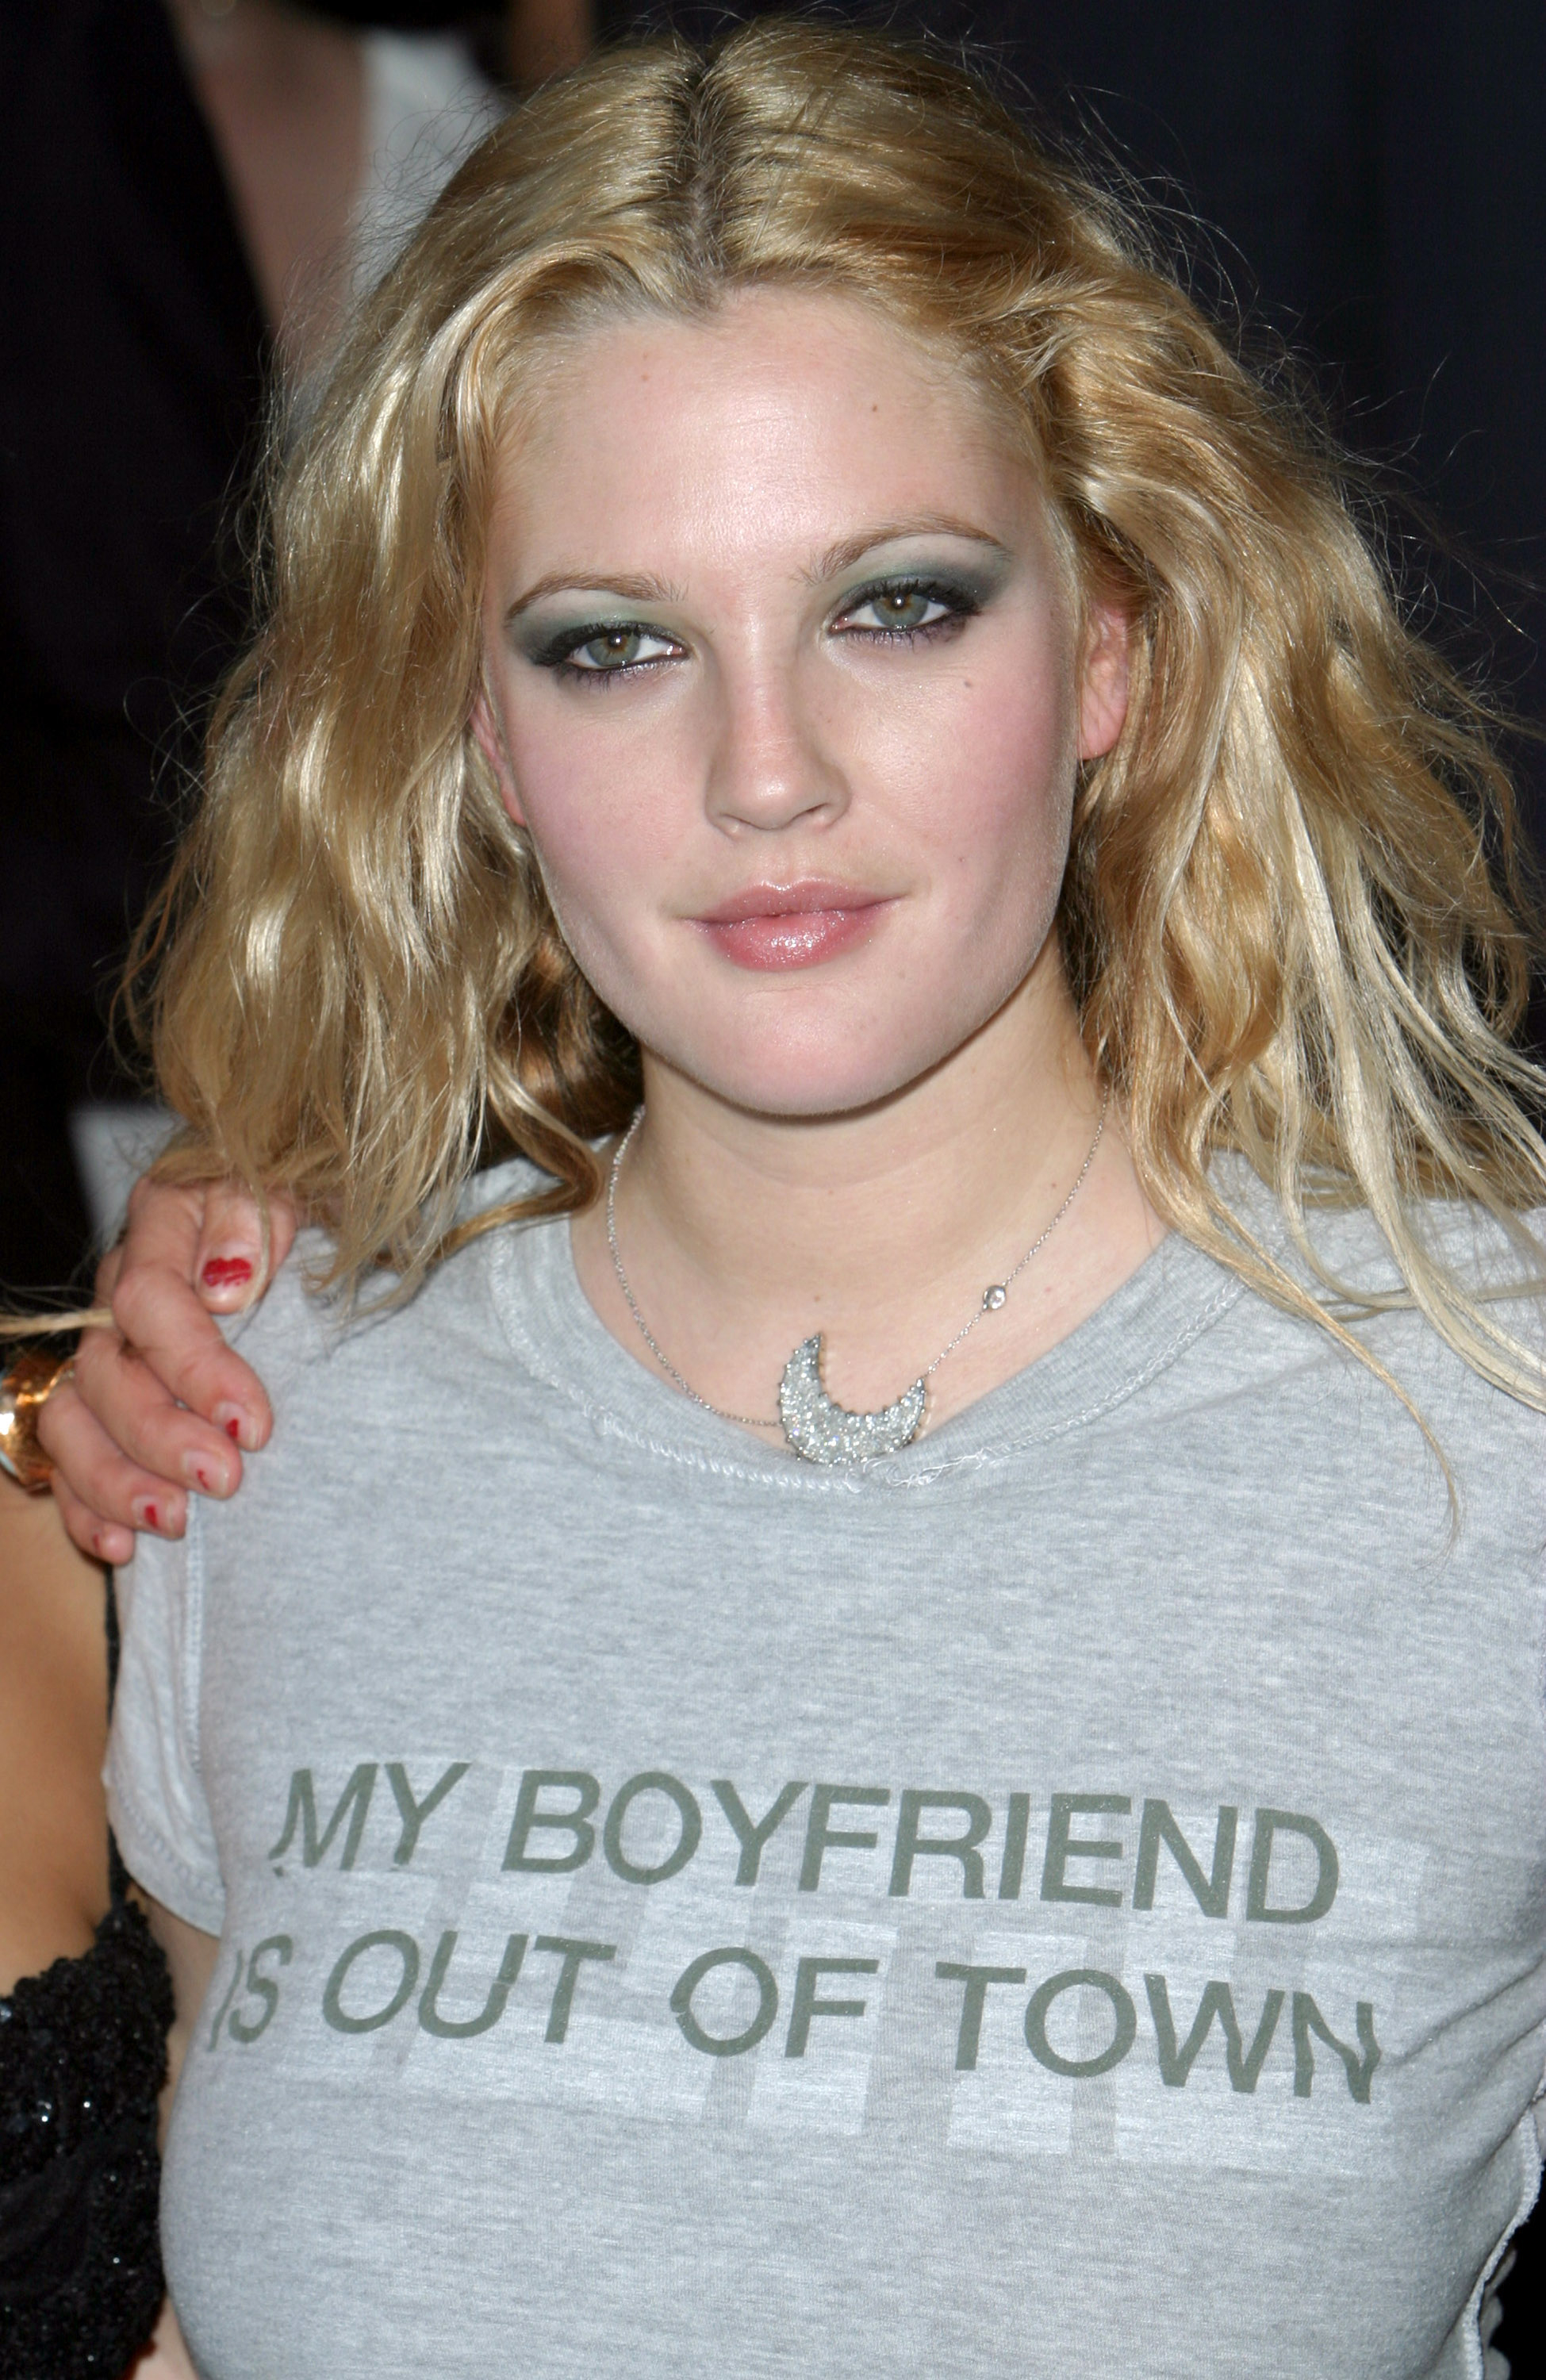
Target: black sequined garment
column 82, row 2058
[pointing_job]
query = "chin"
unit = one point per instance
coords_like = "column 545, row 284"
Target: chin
column 828, row 1057
column 811, row 1084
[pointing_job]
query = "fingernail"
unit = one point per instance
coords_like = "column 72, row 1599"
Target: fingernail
column 160, row 1514
column 227, row 1272
column 232, row 1420
column 211, row 1477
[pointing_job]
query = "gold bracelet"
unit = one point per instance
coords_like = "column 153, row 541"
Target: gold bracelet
column 25, row 1389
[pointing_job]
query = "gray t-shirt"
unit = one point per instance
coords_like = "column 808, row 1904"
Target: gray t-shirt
column 1070, row 1898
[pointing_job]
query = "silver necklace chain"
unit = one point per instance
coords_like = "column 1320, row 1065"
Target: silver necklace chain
column 747, row 1421
column 994, row 1296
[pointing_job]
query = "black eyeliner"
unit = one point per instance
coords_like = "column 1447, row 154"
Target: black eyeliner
column 963, row 597
column 552, row 650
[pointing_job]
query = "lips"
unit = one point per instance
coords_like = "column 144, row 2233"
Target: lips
column 766, row 927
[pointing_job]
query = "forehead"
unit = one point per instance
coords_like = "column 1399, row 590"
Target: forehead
column 785, row 417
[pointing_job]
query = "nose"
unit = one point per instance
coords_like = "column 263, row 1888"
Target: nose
column 770, row 765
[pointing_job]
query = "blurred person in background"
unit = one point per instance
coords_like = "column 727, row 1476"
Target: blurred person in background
column 192, row 195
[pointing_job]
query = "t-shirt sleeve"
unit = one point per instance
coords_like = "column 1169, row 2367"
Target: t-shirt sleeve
column 156, row 1795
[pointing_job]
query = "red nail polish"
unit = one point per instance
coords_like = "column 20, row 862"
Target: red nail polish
column 233, row 1430
column 151, row 1521
column 225, row 1272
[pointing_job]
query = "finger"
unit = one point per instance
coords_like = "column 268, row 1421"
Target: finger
column 164, row 1223
column 108, row 1270
column 103, row 1540
column 145, row 1422
column 229, row 1265
column 158, row 1309
column 116, row 1491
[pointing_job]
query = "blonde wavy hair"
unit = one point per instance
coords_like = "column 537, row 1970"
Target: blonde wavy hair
column 1290, row 915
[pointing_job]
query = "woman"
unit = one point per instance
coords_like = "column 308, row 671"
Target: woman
column 858, row 1748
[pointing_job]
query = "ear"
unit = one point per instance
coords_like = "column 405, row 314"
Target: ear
column 1103, row 692
column 491, row 743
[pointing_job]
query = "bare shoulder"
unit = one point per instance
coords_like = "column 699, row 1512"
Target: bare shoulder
column 52, row 1737
column 52, row 1601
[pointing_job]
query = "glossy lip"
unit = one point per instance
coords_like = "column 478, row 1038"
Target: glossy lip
column 770, row 926
column 803, row 900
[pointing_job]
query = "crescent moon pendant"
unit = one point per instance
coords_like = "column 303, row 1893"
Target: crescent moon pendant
column 824, row 1432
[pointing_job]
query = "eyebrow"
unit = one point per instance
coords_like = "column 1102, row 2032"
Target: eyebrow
column 850, row 550
column 630, row 586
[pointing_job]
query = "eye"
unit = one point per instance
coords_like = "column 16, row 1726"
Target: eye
column 602, row 653
column 904, row 609
column 601, row 650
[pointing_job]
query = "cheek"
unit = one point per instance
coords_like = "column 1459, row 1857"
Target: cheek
column 604, row 827
column 986, row 785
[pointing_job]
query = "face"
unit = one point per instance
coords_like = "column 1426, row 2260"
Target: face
column 783, row 681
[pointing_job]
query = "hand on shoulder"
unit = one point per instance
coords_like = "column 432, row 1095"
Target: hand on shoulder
column 159, row 1404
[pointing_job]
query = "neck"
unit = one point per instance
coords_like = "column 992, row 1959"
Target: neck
column 743, row 1235
column 827, row 1207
